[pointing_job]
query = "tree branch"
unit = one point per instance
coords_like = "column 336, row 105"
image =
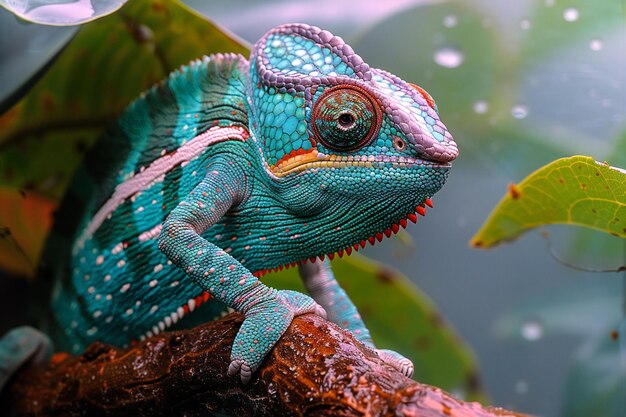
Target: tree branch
column 315, row 369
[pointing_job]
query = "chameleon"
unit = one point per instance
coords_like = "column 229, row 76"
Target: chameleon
column 230, row 168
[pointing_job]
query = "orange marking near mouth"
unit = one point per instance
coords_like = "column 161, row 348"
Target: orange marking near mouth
column 293, row 154
column 294, row 158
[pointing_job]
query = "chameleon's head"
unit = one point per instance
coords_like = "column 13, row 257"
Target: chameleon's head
column 325, row 119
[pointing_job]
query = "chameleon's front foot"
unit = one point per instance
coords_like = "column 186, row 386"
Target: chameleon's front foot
column 402, row 364
column 265, row 322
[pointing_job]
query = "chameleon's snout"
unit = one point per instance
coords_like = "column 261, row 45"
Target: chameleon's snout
column 444, row 153
column 431, row 142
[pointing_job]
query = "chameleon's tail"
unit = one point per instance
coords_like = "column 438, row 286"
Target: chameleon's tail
column 19, row 347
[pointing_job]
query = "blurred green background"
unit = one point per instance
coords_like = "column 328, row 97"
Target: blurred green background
column 518, row 84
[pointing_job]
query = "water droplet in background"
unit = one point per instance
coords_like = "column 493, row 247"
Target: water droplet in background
column 532, row 330
column 521, row 387
column 519, row 111
column 481, row 107
column 524, row 24
column 450, row 21
column 595, row 44
column 448, row 56
column 570, row 14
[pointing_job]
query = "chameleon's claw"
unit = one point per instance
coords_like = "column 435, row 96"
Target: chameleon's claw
column 243, row 369
column 402, row 364
column 234, row 367
column 319, row 311
column 246, row 373
column 264, row 324
column 407, row 368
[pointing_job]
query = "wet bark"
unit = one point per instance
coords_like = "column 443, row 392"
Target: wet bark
column 316, row 369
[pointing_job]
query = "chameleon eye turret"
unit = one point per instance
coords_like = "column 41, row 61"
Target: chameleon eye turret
column 345, row 118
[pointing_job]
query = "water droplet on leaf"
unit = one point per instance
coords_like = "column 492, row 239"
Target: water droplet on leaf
column 271, row 388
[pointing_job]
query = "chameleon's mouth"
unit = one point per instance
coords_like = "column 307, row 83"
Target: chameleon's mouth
column 298, row 162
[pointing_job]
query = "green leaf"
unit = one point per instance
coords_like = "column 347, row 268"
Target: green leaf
column 61, row 12
column 401, row 318
column 108, row 64
column 575, row 190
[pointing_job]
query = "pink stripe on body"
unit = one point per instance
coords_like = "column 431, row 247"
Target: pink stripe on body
column 157, row 169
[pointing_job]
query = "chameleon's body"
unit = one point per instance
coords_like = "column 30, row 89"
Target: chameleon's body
column 230, row 168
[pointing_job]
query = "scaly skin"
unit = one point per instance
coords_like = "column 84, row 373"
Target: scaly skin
column 230, row 168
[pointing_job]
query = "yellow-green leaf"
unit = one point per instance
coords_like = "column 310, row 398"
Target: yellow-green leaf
column 402, row 318
column 575, row 190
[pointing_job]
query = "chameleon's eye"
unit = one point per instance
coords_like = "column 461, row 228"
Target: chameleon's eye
column 345, row 118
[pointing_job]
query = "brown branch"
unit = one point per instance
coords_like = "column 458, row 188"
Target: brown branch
column 316, row 369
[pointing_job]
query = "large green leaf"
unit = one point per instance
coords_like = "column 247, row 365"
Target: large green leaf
column 108, row 64
column 575, row 190
column 590, row 247
column 401, row 318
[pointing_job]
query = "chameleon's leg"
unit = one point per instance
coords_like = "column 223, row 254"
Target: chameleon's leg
column 323, row 287
column 268, row 312
column 20, row 346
